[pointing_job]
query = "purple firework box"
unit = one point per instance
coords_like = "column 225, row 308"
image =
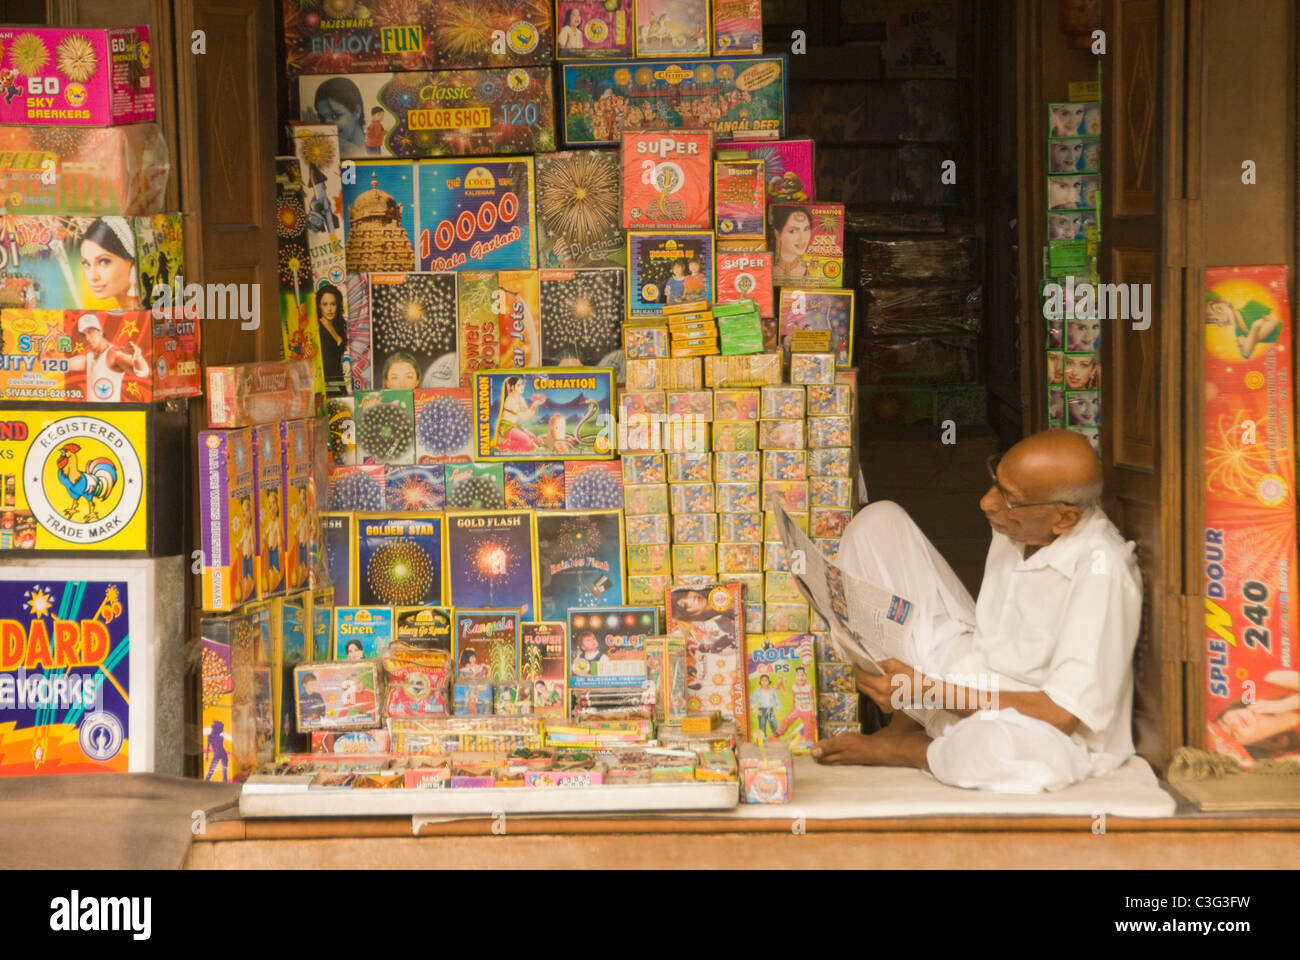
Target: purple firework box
column 789, row 167
column 456, row 113
column 68, row 76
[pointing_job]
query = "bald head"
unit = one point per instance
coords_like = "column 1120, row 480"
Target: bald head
column 1056, row 465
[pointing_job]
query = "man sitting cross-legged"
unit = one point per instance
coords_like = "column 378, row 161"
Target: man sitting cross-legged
column 1049, row 644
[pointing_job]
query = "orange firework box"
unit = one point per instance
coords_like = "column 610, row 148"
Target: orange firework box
column 666, row 179
column 1250, row 517
column 227, row 518
column 295, row 481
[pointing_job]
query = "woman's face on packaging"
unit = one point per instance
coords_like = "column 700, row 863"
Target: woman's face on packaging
column 108, row 274
column 331, row 111
column 794, row 236
column 401, row 376
column 1078, row 371
column 329, row 306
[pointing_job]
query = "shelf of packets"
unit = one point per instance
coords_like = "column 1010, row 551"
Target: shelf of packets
column 451, row 78
column 431, row 698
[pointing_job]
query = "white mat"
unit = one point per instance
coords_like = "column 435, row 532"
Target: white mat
column 848, row 793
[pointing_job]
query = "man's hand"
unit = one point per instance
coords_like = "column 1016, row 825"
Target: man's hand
column 897, row 688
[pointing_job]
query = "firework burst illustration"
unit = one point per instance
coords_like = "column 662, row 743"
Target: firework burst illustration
column 293, row 263
column 473, row 492
column 410, row 489
column 418, row 315
column 400, row 573
column 582, row 317
column 318, row 150
column 443, row 426
column 385, row 431
column 576, row 538
column 356, row 491
column 75, row 56
column 492, row 560
column 1234, row 468
column 290, row 218
column 39, row 602
column 594, row 490
column 578, row 199
column 464, row 28
column 30, row 55
column 550, row 486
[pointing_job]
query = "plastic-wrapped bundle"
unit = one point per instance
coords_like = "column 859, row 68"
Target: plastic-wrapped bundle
column 911, row 310
column 920, row 360
column 950, row 259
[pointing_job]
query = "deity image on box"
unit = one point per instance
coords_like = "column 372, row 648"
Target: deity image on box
column 667, row 268
column 379, row 217
column 829, row 310
column 579, row 560
column 737, row 27
column 578, row 209
column 476, row 214
column 543, row 414
column 736, row 99
column 582, row 313
column 489, row 560
column 413, row 330
column 487, row 643
column 399, row 560
column 586, row 29
column 672, row 28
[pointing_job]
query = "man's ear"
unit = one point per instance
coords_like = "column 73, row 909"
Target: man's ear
column 1069, row 518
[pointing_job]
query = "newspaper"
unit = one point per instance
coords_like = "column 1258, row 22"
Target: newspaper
column 867, row 622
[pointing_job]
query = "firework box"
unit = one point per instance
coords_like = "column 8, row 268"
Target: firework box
column 417, row 682
column 737, row 27
column 582, row 315
column 538, row 486
column 782, row 689
column 338, row 533
column 1250, row 540
column 822, row 310
column 487, row 643
column 384, row 35
column 472, row 698
column 227, row 523
column 423, row 628
column 580, row 558
column 807, row 242
column 740, row 199
column 644, row 468
column 415, row 489
column 49, row 355
column 357, row 488
column 476, row 213
column 413, row 330
column 385, row 423
column 67, row 263
column 497, row 321
column 379, row 219
column 263, row 392
column 789, row 167
column 593, row 485
column 712, row 621
column 766, row 772
column 490, row 561
column 607, row 647
column 558, row 414
column 237, row 724
column 578, row 215
column 746, row 276
column 342, row 695
column 666, row 179
column 358, row 324
column 296, row 518
column 268, row 509
column 740, row 97
column 78, row 171
column 361, row 633
column 662, row 270
column 291, row 645
column 543, row 666
column 588, row 29
column 474, row 486
column 448, row 113
column 671, row 28
column 444, row 431
column 76, row 76
column 399, row 560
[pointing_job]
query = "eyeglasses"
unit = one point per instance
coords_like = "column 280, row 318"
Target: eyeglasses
column 992, row 464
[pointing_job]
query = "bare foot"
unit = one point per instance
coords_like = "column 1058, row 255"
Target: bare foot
column 902, row 748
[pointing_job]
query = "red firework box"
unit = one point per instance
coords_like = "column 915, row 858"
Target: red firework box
column 666, row 179
column 737, row 27
column 746, row 276
column 97, row 355
column 740, row 199
column 1250, row 517
column 807, row 243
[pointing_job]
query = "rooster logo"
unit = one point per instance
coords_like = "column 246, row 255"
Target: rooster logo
column 92, row 483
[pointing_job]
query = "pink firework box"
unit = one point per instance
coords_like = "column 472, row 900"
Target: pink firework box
column 76, row 76
column 740, row 199
column 746, row 275
column 789, row 167
column 807, row 241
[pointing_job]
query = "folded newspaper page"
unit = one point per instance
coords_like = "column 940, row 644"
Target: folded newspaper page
column 867, row 622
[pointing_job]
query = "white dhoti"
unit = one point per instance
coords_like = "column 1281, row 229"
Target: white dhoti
column 1000, row 750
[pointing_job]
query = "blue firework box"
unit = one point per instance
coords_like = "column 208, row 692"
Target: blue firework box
column 476, row 214
column 580, row 560
column 399, row 560
column 547, row 414
column 738, row 98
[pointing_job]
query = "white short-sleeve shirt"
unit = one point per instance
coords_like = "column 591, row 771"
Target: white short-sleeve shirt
column 1064, row 621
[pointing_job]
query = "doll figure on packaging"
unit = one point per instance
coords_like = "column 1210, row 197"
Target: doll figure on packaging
column 511, row 435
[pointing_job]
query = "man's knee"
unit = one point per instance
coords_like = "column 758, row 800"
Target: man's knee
column 1005, row 754
column 877, row 515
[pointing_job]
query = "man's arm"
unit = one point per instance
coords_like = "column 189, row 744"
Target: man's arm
column 904, row 686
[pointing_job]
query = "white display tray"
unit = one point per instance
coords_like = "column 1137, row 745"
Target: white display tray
column 290, row 797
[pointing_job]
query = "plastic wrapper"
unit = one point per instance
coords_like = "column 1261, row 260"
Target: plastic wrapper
column 907, row 261
column 750, row 370
column 785, row 617
column 644, row 468
column 812, row 368
column 901, row 361
column 737, row 497
column 766, row 772
column 830, row 492
column 782, row 403
column 781, row 435
column 829, row 399
column 445, row 734
column 830, row 432
column 120, row 170
column 691, row 528
column 902, row 311
column 736, row 558
column 790, row 495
